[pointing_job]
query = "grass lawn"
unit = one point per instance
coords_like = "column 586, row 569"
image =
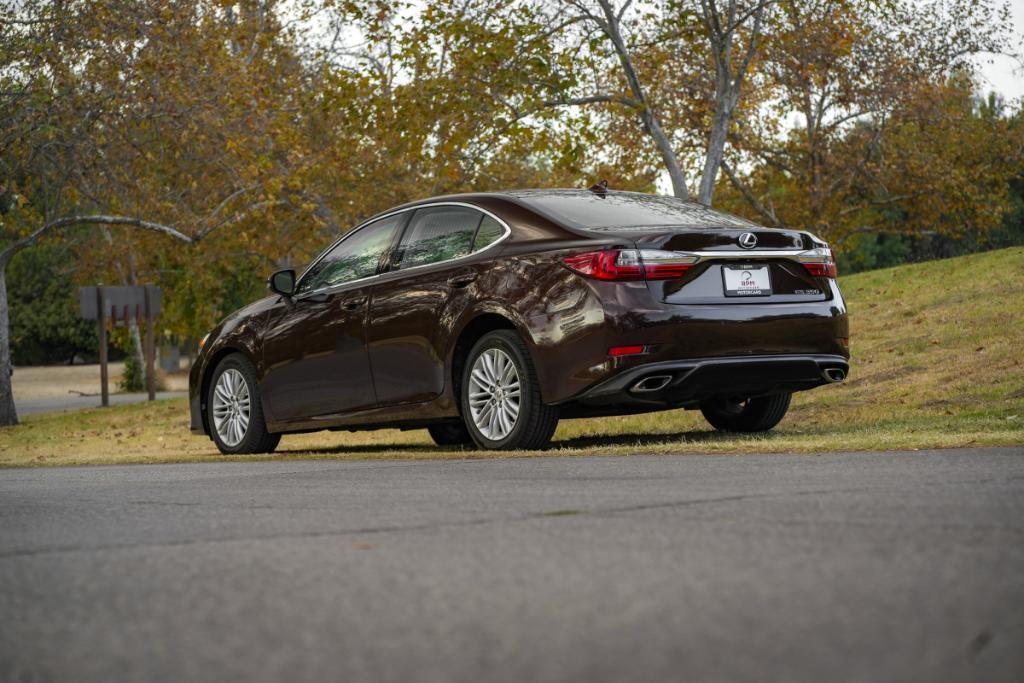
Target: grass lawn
column 937, row 362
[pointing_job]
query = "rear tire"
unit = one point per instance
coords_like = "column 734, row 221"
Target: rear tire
column 450, row 434
column 752, row 415
column 500, row 380
column 234, row 395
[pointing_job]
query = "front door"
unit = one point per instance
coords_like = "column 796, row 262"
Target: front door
column 314, row 347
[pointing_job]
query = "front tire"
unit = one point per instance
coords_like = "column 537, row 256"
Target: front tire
column 750, row 415
column 501, row 401
column 234, row 410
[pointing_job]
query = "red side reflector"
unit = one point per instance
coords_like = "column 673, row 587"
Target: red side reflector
column 616, row 351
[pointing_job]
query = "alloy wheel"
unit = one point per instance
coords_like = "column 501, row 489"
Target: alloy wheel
column 231, row 405
column 494, row 394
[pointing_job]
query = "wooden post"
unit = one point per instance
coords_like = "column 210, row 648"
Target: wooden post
column 150, row 347
column 101, row 322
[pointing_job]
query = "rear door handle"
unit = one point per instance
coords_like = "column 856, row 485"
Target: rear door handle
column 462, row 279
column 353, row 304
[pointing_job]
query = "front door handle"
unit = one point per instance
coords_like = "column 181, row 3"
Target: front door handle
column 354, row 304
column 461, row 280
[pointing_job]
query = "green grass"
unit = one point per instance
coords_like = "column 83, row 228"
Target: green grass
column 937, row 363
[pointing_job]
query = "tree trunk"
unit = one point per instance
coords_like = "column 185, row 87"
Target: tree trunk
column 715, row 151
column 8, row 413
column 140, row 356
column 668, row 156
column 647, row 115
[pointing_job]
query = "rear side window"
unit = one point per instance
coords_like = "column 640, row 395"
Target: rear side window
column 438, row 234
column 490, row 232
column 354, row 258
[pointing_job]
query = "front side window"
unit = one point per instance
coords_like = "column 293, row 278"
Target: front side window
column 438, row 234
column 353, row 258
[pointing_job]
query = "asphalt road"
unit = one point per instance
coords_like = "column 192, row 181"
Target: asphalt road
column 846, row 567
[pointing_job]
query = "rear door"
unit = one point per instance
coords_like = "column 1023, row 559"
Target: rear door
column 412, row 305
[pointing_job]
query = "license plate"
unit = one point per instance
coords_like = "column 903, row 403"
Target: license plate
column 746, row 280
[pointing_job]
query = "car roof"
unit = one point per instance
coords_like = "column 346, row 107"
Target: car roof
column 603, row 212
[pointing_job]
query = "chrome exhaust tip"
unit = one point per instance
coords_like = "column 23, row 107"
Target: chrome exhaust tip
column 834, row 375
column 652, row 383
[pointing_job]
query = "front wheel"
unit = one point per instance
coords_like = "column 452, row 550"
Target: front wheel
column 234, row 410
column 501, row 401
column 748, row 415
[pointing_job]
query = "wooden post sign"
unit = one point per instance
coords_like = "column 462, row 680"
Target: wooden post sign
column 119, row 305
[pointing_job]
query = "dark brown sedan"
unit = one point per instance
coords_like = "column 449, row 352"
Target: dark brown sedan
column 485, row 318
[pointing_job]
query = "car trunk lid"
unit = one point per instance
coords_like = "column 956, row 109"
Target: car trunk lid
column 736, row 265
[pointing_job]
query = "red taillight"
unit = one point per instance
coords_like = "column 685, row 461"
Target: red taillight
column 821, row 269
column 819, row 262
column 665, row 271
column 604, row 265
column 617, row 351
column 630, row 264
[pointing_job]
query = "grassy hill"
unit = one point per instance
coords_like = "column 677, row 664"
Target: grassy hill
column 938, row 361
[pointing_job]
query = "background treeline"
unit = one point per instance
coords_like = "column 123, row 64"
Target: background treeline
column 246, row 135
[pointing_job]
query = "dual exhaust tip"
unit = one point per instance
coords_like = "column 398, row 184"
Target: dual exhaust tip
column 834, row 375
column 653, row 383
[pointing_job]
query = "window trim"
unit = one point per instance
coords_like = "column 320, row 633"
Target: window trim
column 401, row 232
column 399, row 229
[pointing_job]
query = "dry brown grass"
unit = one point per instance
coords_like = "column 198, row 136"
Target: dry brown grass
column 936, row 363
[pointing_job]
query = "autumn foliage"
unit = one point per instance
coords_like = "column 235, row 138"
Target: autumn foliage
column 256, row 131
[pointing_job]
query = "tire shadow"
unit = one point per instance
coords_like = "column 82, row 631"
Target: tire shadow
column 572, row 443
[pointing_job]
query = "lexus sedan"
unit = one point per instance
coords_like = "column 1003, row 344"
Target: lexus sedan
column 485, row 318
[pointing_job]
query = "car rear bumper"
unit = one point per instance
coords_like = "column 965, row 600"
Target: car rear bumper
column 680, row 382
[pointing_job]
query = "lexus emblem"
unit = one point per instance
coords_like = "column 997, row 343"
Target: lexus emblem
column 748, row 240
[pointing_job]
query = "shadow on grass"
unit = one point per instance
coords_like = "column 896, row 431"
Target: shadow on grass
column 598, row 441
column 641, row 440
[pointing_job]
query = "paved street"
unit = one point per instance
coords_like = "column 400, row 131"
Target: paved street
column 54, row 404
column 58, row 388
column 844, row 567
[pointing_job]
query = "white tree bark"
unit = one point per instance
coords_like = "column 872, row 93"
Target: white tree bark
column 612, row 28
column 720, row 28
column 140, row 355
column 610, row 23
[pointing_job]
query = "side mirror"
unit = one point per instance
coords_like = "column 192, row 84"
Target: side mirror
column 282, row 282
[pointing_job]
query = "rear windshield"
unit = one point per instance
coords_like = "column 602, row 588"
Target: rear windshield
column 626, row 210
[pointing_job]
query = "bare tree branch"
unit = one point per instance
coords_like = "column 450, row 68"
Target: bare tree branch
column 68, row 221
column 594, row 99
column 754, row 202
column 611, row 27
